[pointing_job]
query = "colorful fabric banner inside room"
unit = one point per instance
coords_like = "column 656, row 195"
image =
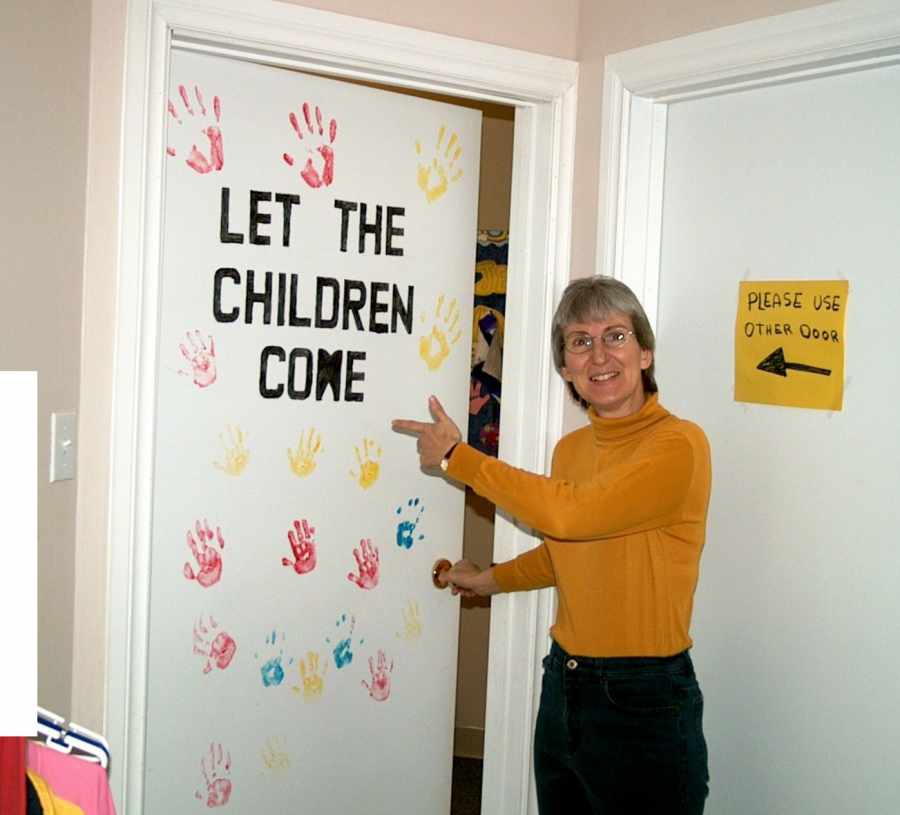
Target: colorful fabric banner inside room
column 487, row 339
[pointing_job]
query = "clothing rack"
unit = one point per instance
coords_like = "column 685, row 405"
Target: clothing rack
column 72, row 738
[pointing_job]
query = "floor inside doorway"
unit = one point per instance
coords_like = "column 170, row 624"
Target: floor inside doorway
column 466, row 790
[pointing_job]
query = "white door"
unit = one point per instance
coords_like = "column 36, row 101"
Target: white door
column 317, row 279
column 796, row 615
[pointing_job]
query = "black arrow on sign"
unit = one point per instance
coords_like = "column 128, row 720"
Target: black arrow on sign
column 775, row 364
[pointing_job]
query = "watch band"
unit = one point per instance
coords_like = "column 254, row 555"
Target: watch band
column 445, row 461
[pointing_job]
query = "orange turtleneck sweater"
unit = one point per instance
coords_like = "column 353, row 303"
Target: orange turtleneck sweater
column 623, row 515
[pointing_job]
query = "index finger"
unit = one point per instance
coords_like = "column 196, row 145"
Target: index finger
column 410, row 425
column 437, row 409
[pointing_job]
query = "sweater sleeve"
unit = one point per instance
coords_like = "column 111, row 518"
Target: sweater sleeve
column 642, row 493
column 530, row 570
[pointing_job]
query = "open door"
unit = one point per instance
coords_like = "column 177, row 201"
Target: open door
column 149, row 520
column 318, row 247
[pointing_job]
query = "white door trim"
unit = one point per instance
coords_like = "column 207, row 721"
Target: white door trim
column 544, row 91
column 641, row 83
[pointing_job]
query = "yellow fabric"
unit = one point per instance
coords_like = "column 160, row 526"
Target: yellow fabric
column 52, row 804
column 623, row 515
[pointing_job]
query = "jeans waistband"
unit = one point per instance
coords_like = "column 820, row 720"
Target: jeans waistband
column 559, row 659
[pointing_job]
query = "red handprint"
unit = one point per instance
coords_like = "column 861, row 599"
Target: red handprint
column 380, row 688
column 216, row 768
column 303, row 546
column 201, row 357
column 196, row 160
column 367, row 561
column 208, row 558
column 315, row 143
column 219, row 652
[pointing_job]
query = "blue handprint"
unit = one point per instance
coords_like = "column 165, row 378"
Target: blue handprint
column 406, row 529
column 343, row 651
column 272, row 671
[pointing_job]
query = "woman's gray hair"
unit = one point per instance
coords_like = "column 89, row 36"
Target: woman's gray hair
column 595, row 298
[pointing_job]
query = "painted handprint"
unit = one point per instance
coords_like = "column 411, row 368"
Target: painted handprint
column 314, row 140
column 412, row 622
column 217, row 649
column 201, row 357
column 434, row 347
column 216, row 767
column 274, row 755
column 312, row 682
column 303, row 458
column 435, row 176
column 380, row 689
column 236, row 454
column 212, row 157
column 367, row 564
column 406, row 529
column 272, row 670
column 342, row 651
column 206, row 548
column 367, row 461
column 303, row 547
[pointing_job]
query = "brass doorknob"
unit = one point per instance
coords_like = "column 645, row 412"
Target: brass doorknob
column 440, row 566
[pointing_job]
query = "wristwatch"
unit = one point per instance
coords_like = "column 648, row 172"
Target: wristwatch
column 445, row 461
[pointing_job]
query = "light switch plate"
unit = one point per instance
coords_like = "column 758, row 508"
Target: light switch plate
column 62, row 446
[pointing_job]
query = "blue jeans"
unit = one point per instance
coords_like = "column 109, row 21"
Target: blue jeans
column 620, row 736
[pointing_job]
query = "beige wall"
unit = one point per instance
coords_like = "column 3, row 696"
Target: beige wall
column 530, row 25
column 495, row 184
column 44, row 49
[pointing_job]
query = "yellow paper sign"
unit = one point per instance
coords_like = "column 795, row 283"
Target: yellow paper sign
column 789, row 343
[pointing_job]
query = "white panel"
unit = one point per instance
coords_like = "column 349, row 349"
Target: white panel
column 340, row 752
column 18, row 576
column 796, row 620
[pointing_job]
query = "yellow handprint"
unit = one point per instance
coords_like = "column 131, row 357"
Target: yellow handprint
column 274, row 755
column 435, row 177
column 412, row 622
column 434, row 347
column 303, row 459
column 312, row 683
column 369, row 468
column 236, row 455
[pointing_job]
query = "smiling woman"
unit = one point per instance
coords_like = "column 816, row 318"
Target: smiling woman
column 586, row 308
column 623, row 515
column 607, row 374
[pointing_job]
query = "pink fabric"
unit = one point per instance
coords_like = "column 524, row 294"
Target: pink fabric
column 81, row 782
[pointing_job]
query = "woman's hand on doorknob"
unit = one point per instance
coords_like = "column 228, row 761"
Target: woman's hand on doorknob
column 468, row 580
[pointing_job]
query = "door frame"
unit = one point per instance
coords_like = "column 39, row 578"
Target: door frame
column 543, row 90
column 641, row 83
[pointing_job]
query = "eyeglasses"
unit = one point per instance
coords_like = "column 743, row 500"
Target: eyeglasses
column 580, row 342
